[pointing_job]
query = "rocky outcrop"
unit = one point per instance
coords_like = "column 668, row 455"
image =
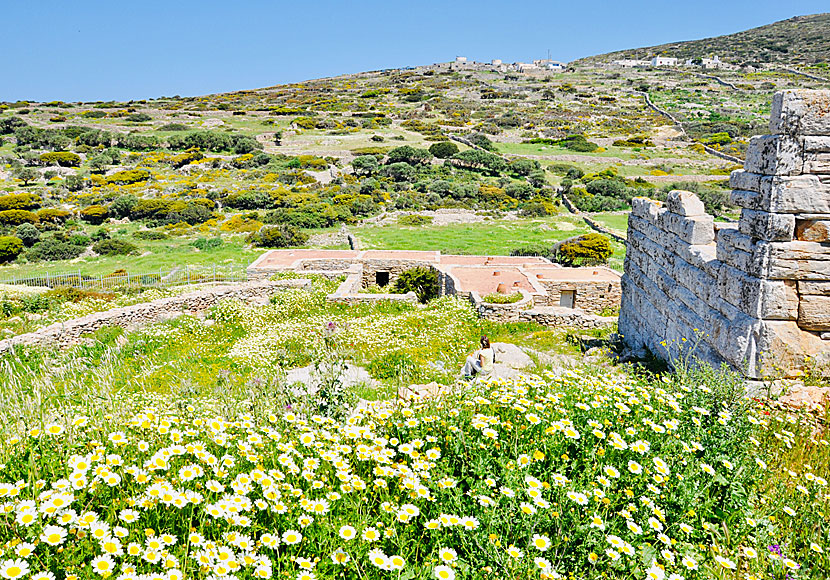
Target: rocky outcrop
column 755, row 294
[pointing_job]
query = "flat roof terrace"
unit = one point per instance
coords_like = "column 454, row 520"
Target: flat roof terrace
column 487, row 280
column 573, row 274
column 460, row 260
column 424, row 256
column 286, row 258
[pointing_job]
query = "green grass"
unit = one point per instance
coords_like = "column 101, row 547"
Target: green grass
column 495, row 237
column 615, row 221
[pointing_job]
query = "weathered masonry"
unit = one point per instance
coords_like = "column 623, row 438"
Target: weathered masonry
column 756, row 293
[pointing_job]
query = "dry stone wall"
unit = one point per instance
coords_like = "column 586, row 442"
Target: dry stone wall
column 756, row 294
column 68, row 333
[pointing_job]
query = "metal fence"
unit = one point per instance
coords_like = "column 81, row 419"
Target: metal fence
column 121, row 278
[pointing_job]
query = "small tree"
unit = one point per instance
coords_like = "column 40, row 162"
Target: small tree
column 279, row 236
column 421, row 280
column 27, row 175
column 10, row 248
column 587, row 250
column 28, row 234
column 443, row 149
column 365, row 165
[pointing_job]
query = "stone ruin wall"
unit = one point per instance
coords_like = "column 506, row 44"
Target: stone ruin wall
column 71, row 332
column 758, row 290
column 593, row 297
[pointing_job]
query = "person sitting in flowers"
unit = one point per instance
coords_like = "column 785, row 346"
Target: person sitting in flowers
column 481, row 361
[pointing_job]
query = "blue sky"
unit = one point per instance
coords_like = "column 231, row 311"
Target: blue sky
column 94, row 50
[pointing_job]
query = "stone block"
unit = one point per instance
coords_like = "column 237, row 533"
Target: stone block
column 775, row 155
column 772, row 227
column 800, row 112
column 782, row 194
column 814, row 313
column 684, row 203
column 695, row 230
column 758, row 298
column 645, row 208
column 817, row 288
column 813, row 230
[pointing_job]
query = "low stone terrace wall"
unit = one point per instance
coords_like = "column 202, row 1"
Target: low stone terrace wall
column 67, row 333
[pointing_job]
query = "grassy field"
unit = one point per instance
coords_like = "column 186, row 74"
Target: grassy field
column 615, row 221
column 495, row 237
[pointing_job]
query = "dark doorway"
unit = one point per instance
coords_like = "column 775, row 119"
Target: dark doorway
column 382, row 279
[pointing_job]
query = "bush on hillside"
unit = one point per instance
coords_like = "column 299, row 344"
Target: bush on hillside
column 150, row 235
column 443, row 149
column 62, row 158
column 51, row 249
column 114, row 247
column 15, row 217
column 19, row 201
column 207, row 244
column 28, row 234
column 95, row 214
column 129, row 177
column 423, row 281
column 279, row 236
column 414, row 219
column 588, row 250
column 10, row 248
column 74, row 182
column 52, row 215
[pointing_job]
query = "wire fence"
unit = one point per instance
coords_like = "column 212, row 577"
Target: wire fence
column 178, row 276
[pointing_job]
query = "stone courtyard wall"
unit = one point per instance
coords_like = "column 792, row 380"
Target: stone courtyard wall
column 590, row 296
column 755, row 294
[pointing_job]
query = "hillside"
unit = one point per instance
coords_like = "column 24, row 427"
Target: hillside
column 798, row 40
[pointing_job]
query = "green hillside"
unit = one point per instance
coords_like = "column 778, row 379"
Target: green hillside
column 798, row 40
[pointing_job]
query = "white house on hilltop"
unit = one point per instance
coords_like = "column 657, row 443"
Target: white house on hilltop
column 663, row 61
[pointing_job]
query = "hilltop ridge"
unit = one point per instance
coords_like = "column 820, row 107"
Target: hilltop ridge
column 797, row 40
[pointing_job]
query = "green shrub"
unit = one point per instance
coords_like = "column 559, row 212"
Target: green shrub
column 94, row 114
column 138, row 118
column 114, row 247
column 422, row 280
column 15, row 217
column 19, row 201
column 74, row 182
column 443, row 149
column 207, row 244
column 129, row 176
column 496, row 298
column 95, row 214
column 173, row 127
column 538, row 209
column 305, row 122
column 414, row 219
column 10, row 248
column 50, row 249
column 150, row 235
column 279, row 236
column 52, row 215
column 28, row 234
column 587, row 250
column 62, row 158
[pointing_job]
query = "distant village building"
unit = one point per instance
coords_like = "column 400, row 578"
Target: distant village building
column 496, row 62
column 461, row 60
column 663, row 61
column 553, row 65
column 631, row 63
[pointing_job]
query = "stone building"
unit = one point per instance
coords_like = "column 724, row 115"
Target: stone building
column 543, row 285
column 755, row 293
